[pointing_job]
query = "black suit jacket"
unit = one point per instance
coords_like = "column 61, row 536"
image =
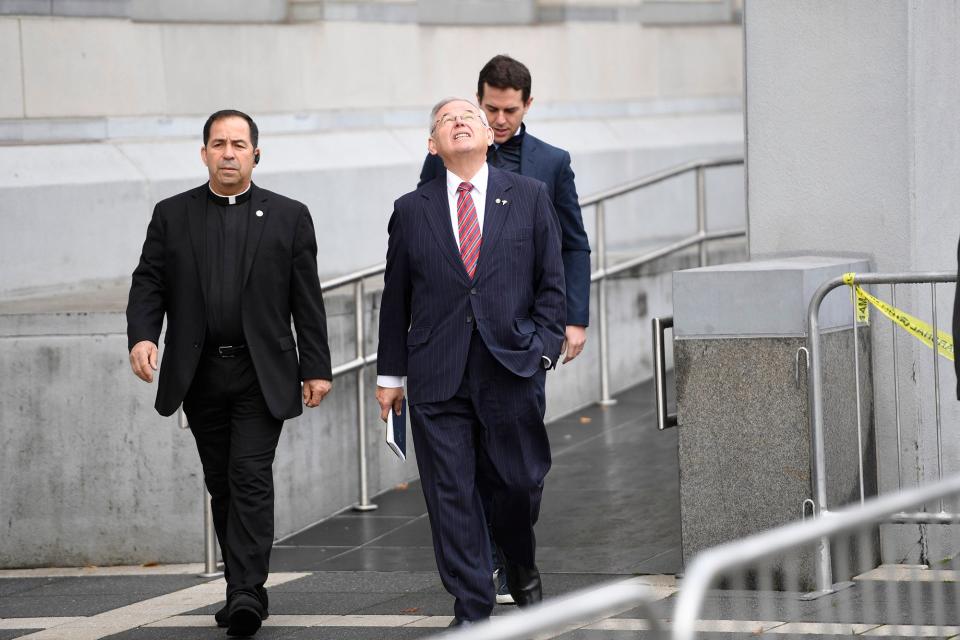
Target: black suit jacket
column 551, row 166
column 430, row 304
column 280, row 283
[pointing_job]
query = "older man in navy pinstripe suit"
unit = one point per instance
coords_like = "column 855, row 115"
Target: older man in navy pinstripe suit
column 473, row 315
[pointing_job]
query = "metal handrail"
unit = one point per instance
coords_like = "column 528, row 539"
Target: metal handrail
column 352, row 278
column 662, row 252
column 665, row 419
column 824, row 571
column 660, row 176
column 591, row 200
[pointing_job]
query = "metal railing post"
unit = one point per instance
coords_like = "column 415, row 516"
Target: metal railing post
column 364, row 503
column 936, row 381
column 896, row 387
column 824, row 569
column 856, row 386
column 601, row 238
column 702, row 213
column 210, row 569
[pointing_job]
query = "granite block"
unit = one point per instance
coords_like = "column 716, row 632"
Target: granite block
column 744, row 437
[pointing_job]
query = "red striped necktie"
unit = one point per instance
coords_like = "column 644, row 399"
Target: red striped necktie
column 469, row 228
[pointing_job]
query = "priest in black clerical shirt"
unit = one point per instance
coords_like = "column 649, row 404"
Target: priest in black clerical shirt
column 225, row 234
column 230, row 265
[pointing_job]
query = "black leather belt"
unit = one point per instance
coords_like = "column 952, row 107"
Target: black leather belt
column 225, row 351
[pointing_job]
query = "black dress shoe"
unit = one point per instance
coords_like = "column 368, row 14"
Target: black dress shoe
column 524, row 584
column 223, row 615
column 245, row 614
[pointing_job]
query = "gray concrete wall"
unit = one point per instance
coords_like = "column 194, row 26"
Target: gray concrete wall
column 851, row 138
column 208, row 10
column 424, row 11
column 174, row 69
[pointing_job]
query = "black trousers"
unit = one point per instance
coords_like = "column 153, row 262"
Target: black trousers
column 237, row 438
column 486, row 444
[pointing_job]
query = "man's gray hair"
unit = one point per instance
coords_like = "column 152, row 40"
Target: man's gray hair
column 440, row 105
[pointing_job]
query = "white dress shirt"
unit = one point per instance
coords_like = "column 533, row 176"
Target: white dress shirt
column 479, row 195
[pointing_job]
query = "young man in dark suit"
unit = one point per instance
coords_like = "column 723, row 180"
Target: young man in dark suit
column 230, row 264
column 473, row 315
column 503, row 91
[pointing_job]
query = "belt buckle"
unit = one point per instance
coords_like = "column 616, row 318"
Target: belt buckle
column 226, row 351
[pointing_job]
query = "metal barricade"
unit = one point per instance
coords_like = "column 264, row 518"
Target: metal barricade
column 815, row 378
column 756, row 585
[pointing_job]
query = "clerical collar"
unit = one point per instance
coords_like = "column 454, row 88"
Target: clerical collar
column 240, row 198
column 515, row 140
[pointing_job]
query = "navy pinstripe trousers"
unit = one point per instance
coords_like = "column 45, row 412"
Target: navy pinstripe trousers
column 487, row 441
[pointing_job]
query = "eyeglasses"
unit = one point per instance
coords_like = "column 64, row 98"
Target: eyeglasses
column 467, row 117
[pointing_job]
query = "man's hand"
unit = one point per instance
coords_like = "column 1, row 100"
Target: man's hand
column 314, row 390
column 574, row 339
column 389, row 398
column 143, row 360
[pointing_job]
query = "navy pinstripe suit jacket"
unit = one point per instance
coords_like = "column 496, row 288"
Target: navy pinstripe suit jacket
column 430, row 305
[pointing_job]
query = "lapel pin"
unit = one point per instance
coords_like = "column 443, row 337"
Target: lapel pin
column 502, row 202
column 259, row 213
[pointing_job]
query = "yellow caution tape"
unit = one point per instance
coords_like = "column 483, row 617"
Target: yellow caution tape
column 917, row 328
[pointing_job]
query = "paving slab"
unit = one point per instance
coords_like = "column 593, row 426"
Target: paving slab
column 363, row 582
